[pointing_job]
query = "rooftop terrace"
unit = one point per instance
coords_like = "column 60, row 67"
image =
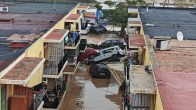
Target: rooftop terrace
column 168, row 21
column 50, row 7
column 181, row 57
column 26, row 18
column 28, row 23
column 177, row 90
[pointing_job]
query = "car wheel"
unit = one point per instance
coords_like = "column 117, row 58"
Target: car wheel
column 92, row 56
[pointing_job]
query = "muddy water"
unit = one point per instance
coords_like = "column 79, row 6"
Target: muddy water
column 86, row 93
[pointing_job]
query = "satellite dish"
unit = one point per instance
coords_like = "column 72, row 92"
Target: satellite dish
column 180, row 36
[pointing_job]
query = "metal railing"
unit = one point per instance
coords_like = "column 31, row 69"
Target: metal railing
column 56, row 62
column 54, row 69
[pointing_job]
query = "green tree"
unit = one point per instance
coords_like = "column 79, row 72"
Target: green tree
column 119, row 16
column 109, row 3
column 98, row 6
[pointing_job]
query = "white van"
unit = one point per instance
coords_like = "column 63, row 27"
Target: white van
column 110, row 52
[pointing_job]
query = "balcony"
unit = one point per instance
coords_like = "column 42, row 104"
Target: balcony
column 54, row 70
column 72, row 59
column 72, row 40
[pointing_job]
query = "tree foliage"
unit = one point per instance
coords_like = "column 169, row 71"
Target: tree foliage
column 119, row 16
column 98, row 6
column 109, row 3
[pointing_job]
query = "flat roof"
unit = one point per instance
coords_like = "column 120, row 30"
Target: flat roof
column 132, row 10
column 5, row 64
column 7, row 53
column 180, row 58
column 136, row 41
column 28, row 7
column 134, row 21
column 141, row 81
column 57, row 35
column 30, row 23
column 27, row 37
column 23, row 69
column 177, row 90
column 168, row 21
column 27, row 18
column 73, row 17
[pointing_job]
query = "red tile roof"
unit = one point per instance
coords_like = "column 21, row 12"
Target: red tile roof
column 180, row 58
column 137, row 40
column 73, row 17
column 177, row 90
column 56, row 34
column 22, row 69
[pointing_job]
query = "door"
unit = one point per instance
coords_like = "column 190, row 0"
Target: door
column 101, row 56
column 3, row 97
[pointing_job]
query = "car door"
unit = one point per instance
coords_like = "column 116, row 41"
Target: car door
column 106, row 54
column 100, row 56
column 122, row 52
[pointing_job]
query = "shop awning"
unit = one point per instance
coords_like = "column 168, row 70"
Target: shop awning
column 117, row 71
column 27, row 72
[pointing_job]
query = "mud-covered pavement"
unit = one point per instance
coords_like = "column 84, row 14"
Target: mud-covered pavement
column 86, row 93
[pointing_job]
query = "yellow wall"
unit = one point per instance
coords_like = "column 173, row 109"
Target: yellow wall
column 158, row 104
column 147, row 61
column 74, row 10
column 37, row 78
column 36, row 49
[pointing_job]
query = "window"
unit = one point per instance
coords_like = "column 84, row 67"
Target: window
column 105, row 51
column 67, row 25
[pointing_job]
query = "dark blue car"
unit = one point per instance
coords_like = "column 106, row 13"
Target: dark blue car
column 98, row 29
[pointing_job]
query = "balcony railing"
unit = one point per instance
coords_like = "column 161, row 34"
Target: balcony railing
column 54, row 69
column 72, row 39
column 71, row 59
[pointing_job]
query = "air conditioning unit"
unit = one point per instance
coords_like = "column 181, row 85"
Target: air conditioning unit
column 162, row 42
column 3, row 9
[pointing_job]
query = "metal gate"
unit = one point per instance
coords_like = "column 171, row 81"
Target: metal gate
column 142, row 101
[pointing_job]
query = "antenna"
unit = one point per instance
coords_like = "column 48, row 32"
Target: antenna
column 180, row 36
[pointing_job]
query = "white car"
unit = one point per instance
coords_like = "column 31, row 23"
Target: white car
column 110, row 52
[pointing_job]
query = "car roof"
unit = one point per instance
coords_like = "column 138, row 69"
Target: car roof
column 109, row 47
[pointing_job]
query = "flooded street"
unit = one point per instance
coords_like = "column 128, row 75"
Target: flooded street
column 86, row 93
